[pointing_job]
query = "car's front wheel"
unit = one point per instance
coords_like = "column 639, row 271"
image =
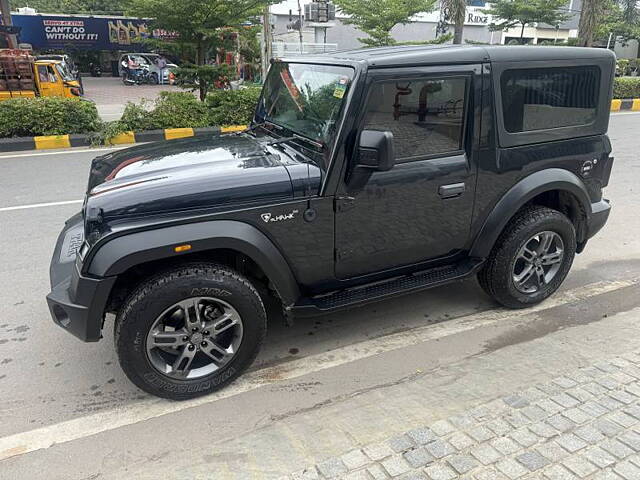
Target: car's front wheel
column 190, row 330
column 531, row 258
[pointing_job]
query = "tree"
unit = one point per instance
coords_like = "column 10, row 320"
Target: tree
column 197, row 22
column 376, row 18
column 618, row 18
column 456, row 13
column 520, row 13
column 202, row 77
column 111, row 7
column 601, row 18
column 591, row 20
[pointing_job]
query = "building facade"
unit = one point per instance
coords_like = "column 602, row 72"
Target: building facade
column 423, row 27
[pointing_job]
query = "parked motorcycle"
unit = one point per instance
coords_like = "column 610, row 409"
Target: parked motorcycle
column 95, row 69
column 139, row 76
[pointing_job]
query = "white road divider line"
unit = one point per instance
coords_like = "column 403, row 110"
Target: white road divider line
column 39, row 205
column 77, row 428
column 67, row 151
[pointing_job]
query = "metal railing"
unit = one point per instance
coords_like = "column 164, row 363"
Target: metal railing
column 283, row 49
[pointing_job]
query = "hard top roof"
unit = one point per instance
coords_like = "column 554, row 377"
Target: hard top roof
column 439, row 54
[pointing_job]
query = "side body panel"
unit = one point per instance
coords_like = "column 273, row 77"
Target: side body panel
column 506, row 175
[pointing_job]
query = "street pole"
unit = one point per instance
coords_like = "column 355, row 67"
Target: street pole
column 267, row 47
column 300, row 24
column 6, row 20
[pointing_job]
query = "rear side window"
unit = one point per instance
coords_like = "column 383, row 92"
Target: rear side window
column 546, row 98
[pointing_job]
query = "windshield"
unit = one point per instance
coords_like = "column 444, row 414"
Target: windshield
column 306, row 99
column 64, row 73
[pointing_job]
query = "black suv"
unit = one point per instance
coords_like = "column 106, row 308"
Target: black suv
column 364, row 175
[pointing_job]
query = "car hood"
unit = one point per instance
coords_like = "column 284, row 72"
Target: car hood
column 190, row 173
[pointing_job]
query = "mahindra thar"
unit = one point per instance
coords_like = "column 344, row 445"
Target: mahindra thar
column 364, row 175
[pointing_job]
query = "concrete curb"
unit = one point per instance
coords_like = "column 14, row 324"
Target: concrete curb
column 632, row 104
column 84, row 140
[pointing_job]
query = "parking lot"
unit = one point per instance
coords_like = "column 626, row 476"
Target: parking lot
column 407, row 361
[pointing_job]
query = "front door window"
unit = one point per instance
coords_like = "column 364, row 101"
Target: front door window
column 426, row 117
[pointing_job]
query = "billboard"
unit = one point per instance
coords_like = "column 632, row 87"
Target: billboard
column 81, row 32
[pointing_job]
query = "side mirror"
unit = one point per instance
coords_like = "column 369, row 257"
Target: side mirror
column 375, row 151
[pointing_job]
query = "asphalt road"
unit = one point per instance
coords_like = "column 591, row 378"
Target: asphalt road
column 58, row 387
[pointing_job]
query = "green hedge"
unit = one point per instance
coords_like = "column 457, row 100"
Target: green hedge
column 183, row 109
column 170, row 110
column 626, row 87
column 232, row 107
column 28, row 117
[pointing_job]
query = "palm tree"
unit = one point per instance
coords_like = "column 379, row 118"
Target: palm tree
column 592, row 10
column 456, row 11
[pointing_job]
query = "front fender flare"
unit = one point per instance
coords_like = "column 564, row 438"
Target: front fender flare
column 523, row 191
column 123, row 252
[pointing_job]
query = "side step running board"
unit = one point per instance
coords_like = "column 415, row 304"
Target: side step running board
column 380, row 290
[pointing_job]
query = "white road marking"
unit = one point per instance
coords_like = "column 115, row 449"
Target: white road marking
column 77, row 428
column 613, row 114
column 39, row 205
column 68, row 151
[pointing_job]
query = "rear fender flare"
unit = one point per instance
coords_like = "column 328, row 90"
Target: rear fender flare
column 123, row 252
column 523, row 191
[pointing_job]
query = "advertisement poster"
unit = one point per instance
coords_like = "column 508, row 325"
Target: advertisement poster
column 79, row 32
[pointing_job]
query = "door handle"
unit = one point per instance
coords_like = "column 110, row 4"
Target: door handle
column 452, row 190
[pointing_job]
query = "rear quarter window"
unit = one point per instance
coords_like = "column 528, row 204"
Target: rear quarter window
column 547, row 98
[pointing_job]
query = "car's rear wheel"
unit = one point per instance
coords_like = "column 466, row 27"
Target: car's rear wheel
column 190, row 330
column 531, row 258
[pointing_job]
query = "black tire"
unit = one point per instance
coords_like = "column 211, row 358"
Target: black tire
column 154, row 79
column 147, row 302
column 496, row 276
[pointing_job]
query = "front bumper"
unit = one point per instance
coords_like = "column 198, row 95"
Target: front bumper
column 76, row 303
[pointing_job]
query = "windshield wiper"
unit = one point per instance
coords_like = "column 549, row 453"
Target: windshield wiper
column 296, row 137
column 263, row 125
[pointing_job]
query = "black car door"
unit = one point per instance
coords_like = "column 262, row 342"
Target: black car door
column 421, row 209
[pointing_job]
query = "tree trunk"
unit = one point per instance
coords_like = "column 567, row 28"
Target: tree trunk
column 457, row 11
column 200, row 61
column 522, row 34
column 457, row 34
column 588, row 22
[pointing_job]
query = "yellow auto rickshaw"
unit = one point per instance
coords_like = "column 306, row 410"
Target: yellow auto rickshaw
column 22, row 76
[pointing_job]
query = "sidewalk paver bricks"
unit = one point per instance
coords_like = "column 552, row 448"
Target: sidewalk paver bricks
column 418, row 457
column 579, row 465
column 395, row 466
column 556, row 472
column 581, row 425
column 532, row 460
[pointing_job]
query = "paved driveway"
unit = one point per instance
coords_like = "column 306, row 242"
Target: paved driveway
column 111, row 95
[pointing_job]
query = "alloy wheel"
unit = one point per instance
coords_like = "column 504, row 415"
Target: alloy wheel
column 538, row 262
column 194, row 338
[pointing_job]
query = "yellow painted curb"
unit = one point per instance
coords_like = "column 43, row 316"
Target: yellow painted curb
column 636, row 105
column 232, row 128
column 615, row 105
column 122, row 138
column 52, row 141
column 171, row 133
